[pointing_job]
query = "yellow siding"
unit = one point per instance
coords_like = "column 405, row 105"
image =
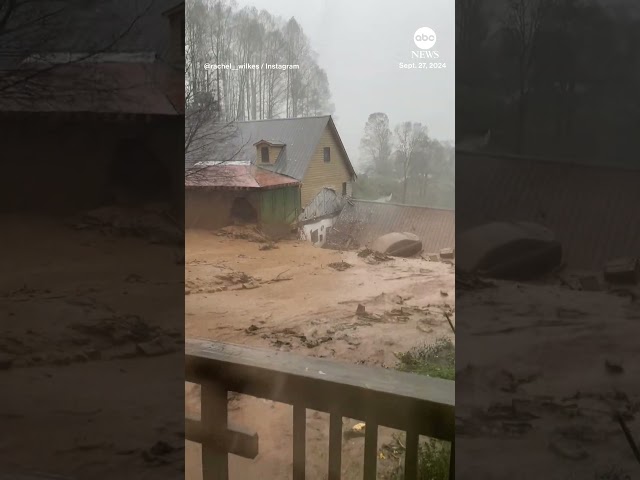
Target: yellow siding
column 321, row 174
column 273, row 154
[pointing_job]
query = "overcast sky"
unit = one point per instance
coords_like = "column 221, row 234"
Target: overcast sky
column 360, row 44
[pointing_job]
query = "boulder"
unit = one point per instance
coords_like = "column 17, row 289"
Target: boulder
column 508, row 250
column 398, row 244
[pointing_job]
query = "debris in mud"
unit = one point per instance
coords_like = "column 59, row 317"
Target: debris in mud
column 120, row 352
column 235, row 278
column 279, row 277
column 568, row 448
column 134, row 278
column 152, row 222
column 116, row 338
column 443, row 293
column 361, row 310
column 373, row 257
column 251, row 329
column 447, row 254
column 590, row 283
column 469, row 281
column 624, row 292
column 268, row 246
column 280, row 343
column 510, row 382
column 6, row 361
column 249, row 233
column 315, row 342
column 358, row 430
column 613, row 366
column 622, row 271
column 155, row 347
column 158, row 452
column 340, row 266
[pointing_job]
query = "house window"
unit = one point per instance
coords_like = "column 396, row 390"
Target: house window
column 264, row 151
column 327, row 154
column 344, row 189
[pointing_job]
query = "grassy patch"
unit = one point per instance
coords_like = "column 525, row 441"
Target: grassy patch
column 435, row 360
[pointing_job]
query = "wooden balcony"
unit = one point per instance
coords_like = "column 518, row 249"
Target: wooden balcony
column 416, row 404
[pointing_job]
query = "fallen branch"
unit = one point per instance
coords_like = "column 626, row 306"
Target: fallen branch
column 278, row 277
column 446, row 315
column 627, row 434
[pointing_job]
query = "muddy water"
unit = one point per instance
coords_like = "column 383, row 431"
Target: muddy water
column 292, row 300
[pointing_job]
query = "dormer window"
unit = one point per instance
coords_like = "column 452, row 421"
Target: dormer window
column 268, row 151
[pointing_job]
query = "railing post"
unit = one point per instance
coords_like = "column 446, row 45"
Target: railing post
column 215, row 463
column 412, row 442
column 299, row 441
column 452, row 461
column 335, row 446
column 370, row 449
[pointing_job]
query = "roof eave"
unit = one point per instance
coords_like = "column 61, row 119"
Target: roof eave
column 344, row 150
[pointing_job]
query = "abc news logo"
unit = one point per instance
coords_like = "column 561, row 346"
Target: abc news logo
column 425, row 38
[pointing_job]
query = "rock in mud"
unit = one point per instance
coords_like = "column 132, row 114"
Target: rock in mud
column 340, row 266
column 622, row 271
column 361, row 310
column 447, row 253
column 613, row 365
column 154, row 348
column 567, row 449
column 161, row 448
column 358, row 430
column 6, row 361
column 590, row 283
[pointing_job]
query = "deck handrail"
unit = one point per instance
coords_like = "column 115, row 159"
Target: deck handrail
column 417, row 404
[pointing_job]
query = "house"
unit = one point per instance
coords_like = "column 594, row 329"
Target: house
column 221, row 195
column 113, row 118
column 361, row 222
column 307, row 149
column 590, row 208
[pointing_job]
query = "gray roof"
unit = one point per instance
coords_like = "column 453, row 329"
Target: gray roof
column 299, row 135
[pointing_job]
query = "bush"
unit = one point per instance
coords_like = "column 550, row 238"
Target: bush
column 435, row 360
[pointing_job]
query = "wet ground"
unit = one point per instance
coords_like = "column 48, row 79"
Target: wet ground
column 294, row 297
column 528, row 384
column 82, row 337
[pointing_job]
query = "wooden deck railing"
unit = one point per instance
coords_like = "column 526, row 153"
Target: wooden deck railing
column 415, row 404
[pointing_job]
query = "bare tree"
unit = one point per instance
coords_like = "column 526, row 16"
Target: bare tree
column 412, row 141
column 377, row 143
column 522, row 25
